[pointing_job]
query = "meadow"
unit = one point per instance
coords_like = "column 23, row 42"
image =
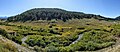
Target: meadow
column 58, row 36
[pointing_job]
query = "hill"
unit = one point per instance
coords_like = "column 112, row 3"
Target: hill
column 73, row 31
column 52, row 13
column 7, row 45
column 3, row 18
column 117, row 18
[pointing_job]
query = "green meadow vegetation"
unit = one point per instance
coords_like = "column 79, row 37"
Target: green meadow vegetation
column 7, row 47
column 52, row 33
column 44, row 35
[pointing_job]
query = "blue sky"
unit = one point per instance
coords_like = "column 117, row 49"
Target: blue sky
column 107, row 8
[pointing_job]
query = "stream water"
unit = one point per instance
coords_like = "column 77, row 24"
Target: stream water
column 79, row 37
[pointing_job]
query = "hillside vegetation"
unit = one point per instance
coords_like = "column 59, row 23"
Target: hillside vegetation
column 52, row 13
column 9, row 46
column 58, row 30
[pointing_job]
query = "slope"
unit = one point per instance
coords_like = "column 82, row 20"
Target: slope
column 52, row 13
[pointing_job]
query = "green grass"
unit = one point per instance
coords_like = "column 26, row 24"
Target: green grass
column 45, row 34
column 94, row 40
column 7, row 46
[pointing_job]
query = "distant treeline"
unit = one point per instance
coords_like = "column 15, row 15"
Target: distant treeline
column 52, row 13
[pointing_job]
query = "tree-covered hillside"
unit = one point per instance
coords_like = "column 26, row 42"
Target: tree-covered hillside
column 117, row 18
column 70, row 31
column 52, row 13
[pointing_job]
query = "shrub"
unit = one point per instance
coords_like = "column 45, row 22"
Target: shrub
column 38, row 49
column 51, row 49
column 3, row 32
